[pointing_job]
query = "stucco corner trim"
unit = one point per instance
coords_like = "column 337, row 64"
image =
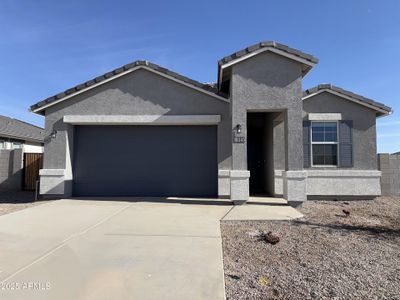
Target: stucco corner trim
column 240, row 174
column 223, row 173
column 52, row 172
column 343, row 183
column 343, row 173
column 325, row 117
column 142, row 119
column 294, row 186
column 294, row 174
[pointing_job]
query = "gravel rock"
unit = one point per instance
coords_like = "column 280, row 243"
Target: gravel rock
column 324, row 255
column 11, row 201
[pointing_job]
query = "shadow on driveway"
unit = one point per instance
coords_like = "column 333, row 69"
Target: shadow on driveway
column 170, row 200
column 17, row 196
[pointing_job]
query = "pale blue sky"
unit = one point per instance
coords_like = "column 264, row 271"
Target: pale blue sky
column 49, row 46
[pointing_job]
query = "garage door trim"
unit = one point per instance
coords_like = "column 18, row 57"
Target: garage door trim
column 142, row 119
column 142, row 169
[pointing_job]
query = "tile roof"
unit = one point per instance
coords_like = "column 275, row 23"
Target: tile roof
column 339, row 90
column 13, row 128
column 113, row 73
column 268, row 44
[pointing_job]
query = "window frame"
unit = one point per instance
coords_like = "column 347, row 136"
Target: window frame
column 16, row 142
column 324, row 143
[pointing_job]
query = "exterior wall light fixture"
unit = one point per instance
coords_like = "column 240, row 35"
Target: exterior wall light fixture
column 238, row 128
column 53, row 134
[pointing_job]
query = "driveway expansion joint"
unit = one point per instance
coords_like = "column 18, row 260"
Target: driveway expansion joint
column 227, row 213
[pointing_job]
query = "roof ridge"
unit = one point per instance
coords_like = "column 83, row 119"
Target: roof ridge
column 21, row 121
column 33, row 125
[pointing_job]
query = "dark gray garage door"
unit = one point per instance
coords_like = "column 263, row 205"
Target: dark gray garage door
column 145, row 161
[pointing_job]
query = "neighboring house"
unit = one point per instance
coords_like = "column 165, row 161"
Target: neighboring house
column 17, row 138
column 142, row 130
column 16, row 134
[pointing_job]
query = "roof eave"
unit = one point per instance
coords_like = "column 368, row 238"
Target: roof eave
column 27, row 139
column 380, row 115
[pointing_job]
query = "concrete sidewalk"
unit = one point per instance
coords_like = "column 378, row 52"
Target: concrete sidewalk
column 83, row 249
column 263, row 208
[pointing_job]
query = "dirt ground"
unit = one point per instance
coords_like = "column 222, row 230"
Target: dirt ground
column 339, row 250
column 11, row 201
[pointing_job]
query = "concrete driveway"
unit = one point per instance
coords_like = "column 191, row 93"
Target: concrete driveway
column 80, row 249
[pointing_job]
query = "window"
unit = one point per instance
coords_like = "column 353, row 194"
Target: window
column 16, row 145
column 324, row 143
column 2, row 144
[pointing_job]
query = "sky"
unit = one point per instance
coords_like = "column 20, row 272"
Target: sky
column 48, row 46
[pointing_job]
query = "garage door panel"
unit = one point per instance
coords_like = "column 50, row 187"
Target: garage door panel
column 145, row 161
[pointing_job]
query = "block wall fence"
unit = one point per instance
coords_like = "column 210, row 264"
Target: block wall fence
column 389, row 165
column 11, row 169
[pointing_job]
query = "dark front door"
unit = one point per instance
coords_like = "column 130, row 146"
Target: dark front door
column 256, row 152
column 145, row 161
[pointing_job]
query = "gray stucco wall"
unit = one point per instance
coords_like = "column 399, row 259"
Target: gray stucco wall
column 279, row 141
column 364, row 125
column 139, row 93
column 268, row 82
column 11, row 169
column 269, row 155
column 275, row 150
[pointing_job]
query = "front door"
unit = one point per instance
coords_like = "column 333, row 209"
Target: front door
column 256, row 152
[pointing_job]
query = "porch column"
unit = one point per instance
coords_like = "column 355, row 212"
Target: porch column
column 239, row 175
column 56, row 175
column 294, row 177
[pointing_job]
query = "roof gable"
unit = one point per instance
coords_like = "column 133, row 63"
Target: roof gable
column 126, row 69
column 308, row 61
column 380, row 108
column 272, row 46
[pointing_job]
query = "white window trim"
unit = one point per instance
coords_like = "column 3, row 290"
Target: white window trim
column 324, row 117
column 19, row 144
column 324, row 143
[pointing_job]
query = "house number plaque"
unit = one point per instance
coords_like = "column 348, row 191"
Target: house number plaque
column 239, row 139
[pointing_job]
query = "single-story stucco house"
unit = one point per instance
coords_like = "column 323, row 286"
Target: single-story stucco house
column 18, row 140
column 143, row 130
column 17, row 134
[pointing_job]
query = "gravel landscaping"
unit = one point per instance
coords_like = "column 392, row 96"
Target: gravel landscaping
column 11, row 201
column 339, row 250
